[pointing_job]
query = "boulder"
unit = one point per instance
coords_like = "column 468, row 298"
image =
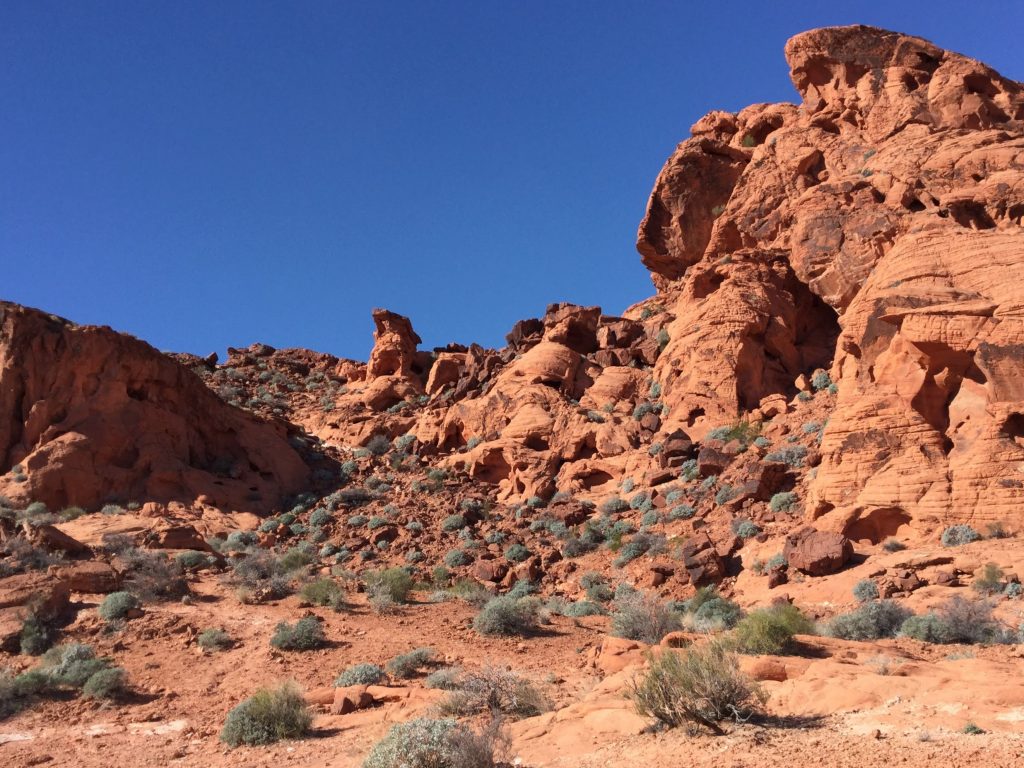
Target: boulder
column 817, row 553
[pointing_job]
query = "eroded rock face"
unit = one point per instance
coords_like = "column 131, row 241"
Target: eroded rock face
column 90, row 416
column 875, row 231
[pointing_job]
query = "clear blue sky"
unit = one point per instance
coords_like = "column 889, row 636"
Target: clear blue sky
column 205, row 174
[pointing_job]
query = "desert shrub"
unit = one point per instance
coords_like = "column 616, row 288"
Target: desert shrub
column 411, row 663
column 583, row 608
column 268, row 716
column 996, row 530
column 958, row 535
column 361, row 674
column 444, row 679
column 641, row 501
column 643, row 617
column 871, row 621
column 712, row 612
column 357, row 521
column 36, row 635
column 117, row 606
column 453, row 523
column 214, row 640
column 71, row 665
column 745, row 529
column 395, row 583
column 23, row 555
column 1013, row 590
column 970, row 621
column 681, row 512
column 928, row 628
column 193, row 560
column 496, row 691
column 821, row 380
column 792, row 455
column 378, row 445
column 456, row 558
column 71, row 513
column 893, row 545
column 152, row 577
column 517, row 553
column 430, row 743
column 295, row 559
column 651, row 517
column 725, row 494
column 240, row 540
column 320, row 518
column 641, row 544
column 699, row 686
column 783, row 502
column 742, row 430
column 771, row 630
column 989, row 579
column 865, row 590
column 414, row 526
column 304, row 635
column 470, row 591
column 323, row 592
column 613, row 505
column 507, row 615
column 106, row 683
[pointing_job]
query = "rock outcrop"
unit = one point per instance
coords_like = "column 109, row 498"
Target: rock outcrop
column 90, row 416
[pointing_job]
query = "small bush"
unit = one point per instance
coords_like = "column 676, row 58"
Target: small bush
column 268, row 716
column 989, row 580
column 793, row 456
column 583, row 608
column 613, row 505
column 681, row 512
column 444, row 679
column 865, row 590
column 871, row 621
column 107, row 683
column 428, row 743
column 517, row 553
column 324, row 592
column 193, row 560
column 496, row 691
column 71, row 665
column 928, row 628
column 771, row 630
column 893, row 545
column 36, row 635
column 958, row 535
column 457, row 558
column 745, row 529
column 117, row 605
column 700, row 686
column 638, row 616
column 410, row 664
column 453, row 523
column 304, row 635
column 214, row 640
column 506, row 616
column 360, row 674
column 783, row 502
column 712, row 612
column 394, row 583
column 378, row 445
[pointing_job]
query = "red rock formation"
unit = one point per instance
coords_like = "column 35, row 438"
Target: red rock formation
column 90, row 415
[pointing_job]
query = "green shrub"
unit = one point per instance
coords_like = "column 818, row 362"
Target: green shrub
column 614, row 505
column 771, row 630
column 699, row 686
column 378, row 445
column 783, row 502
column 360, row 674
column 494, row 691
column 583, row 608
column 865, row 590
column 792, row 455
column 410, row 664
column 444, row 679
column 507, row 615
column 681, row 512
column 713, row 613
column 117, row 606
column 320, row 518
column 36, row 635
column 745, row 529
column 871, row 621
column 294, row 559
column 324, row 592
column 725, row 494
column 517, row 553
column 457, row 558
column 928, row 628
column 989, row 580
column 394, row 583
column 106, row 683
column 958, row 535
column 71, row 665
column 428, row 743
column 453, row 523
column 304, row 635
column 214, row 640
column 357, row 521
column 268, row 716
column 893, row 545
column 643, row 617
column 193, row 560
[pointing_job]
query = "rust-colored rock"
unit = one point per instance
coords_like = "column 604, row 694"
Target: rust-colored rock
column 90, row 414
column 817, row 553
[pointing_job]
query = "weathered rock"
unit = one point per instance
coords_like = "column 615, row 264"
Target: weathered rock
column 817, row 553
column 394, row 349
column 91, row 414
column 702, row 562
column 351, row 698
column 53, row 539
column 92, row 577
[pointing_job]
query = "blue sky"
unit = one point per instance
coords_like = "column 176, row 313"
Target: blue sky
column 206, row 174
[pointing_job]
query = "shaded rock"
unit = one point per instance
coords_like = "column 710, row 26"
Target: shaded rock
column 817, row 553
